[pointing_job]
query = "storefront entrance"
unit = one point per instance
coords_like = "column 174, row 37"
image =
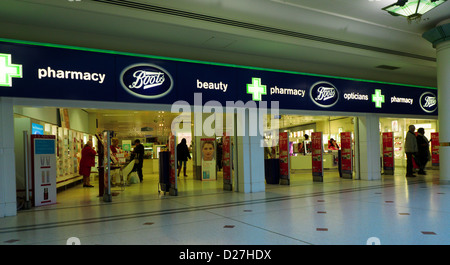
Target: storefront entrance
column 302, row 131
column 73, row 127
column 82, row 79
column 399, row 127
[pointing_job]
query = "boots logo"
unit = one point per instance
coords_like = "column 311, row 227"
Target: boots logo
column 324, row 94
column 428, row 102
column 146, row 81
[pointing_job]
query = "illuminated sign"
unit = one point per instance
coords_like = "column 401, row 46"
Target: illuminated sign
column 355, row 96
column 395, row 99
column 212, row 85
column 69, row 74
column 256, row 89
column 146, row 81
column 287, row 91
column 378, row 98
column 37, row 129
column 324, row 94
column 49, row 71
column 428, row 102
column 8, row 70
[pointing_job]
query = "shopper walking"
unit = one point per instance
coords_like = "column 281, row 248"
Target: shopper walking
column 87, row 161
column 423, row 155
column 182, row 156
column 410, row 150
column 138, row 156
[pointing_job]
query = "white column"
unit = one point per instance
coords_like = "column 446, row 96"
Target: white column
column 8, row 204
column 250, row 156
column 369, row 148
column 443, row 76
column 440, row 38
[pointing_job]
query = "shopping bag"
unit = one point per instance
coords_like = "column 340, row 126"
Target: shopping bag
column 133, row 178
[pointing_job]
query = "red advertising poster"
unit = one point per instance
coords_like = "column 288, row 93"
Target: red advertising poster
column 173, row 165
column 226, row 162
column 435, row 149
column 284, row 158
column 388, row 153
column 317, row 156
column 346, row 155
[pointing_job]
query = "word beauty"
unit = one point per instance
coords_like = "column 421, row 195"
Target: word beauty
column 67, row 74
column 212, row 85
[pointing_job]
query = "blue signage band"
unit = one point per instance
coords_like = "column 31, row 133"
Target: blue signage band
column 58, row 72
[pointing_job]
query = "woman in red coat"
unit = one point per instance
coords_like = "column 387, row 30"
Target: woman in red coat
column 87, row 161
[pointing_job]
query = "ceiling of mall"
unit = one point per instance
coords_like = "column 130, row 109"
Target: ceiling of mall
column 347, row 38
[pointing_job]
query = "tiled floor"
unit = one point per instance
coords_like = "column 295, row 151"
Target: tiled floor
column 394, row 210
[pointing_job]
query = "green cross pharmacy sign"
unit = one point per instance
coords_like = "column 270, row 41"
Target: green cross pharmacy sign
column 256, row 89
column 378, row 98
column 8, row 70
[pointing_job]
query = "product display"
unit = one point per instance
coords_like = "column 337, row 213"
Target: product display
column 69, row 144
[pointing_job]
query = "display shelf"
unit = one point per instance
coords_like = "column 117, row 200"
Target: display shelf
column 69, row 145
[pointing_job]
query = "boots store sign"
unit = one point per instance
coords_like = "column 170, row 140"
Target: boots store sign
column 36, row 70
column 146, row 81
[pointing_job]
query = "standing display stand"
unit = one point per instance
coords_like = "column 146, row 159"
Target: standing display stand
column 43, row 159
column 317, row 156
column 164, row 172
column 107, row 196
column 284, row 158
column 226, row 162
column 173, row 190
column 101, row 169
column 208, row 152
column 435, row 150
column 346, row 155
column 388, row 153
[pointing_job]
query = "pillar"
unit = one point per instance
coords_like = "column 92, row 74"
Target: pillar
column 440, row 38
column 250, row 155
column 8, row 204
column 369, row 148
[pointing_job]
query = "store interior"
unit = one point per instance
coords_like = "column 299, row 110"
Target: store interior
column 73, row 127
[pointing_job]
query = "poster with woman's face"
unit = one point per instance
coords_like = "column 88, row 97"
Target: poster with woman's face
column 208, row 150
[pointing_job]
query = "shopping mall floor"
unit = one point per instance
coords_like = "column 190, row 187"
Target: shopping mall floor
column 394, row 210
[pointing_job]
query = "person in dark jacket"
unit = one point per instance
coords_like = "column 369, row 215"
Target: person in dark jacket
column 138, row 156
column 182, row 156
column 423, row 154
